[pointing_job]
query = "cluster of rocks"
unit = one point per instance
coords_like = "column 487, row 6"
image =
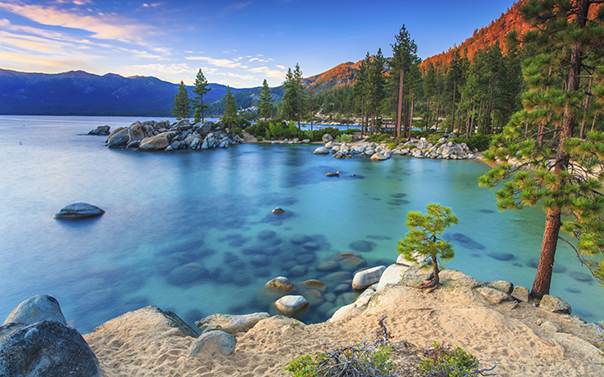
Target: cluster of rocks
column 287, row 141
column 411, row 273
column 418, row 148
column 163, row 136
column 35, row 340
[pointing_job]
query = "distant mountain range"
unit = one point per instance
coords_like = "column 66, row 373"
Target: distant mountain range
column 83, row 93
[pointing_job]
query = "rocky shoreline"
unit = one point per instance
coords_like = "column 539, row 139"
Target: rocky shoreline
column 495, row 320
column 169, row 137
column 418, row 148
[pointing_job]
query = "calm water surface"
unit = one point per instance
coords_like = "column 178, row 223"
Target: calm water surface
column 193, row 232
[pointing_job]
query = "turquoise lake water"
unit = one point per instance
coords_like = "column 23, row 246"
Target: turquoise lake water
column 193, row 232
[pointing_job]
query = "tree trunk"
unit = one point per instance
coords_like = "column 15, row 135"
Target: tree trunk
column 586, row 104
column 543, row 278
column 435, row 271
column 399, row 105
column 410, row 118
column 201, row 108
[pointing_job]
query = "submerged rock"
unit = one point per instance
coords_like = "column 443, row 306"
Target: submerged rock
column 212, row 343
column 36, row 309
column 278, row 211
column 79, row 210
column 45, row 349
column 333, row 173
column 291, row 304
column 280, row 283
column 231, row 323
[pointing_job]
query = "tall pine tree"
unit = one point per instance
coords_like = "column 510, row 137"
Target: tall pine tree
column 404, row 57
column 201, row 88
column 541, row 158
column 181, row 102
column 230, row 117
column 265, row 104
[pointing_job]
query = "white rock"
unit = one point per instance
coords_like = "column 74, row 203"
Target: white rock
column 367, row 277
column 502, row 285
column 492, row 295
column 36, row 309
column 231, row 323
column 321, row 150
column 212, row 343
column 392, row 275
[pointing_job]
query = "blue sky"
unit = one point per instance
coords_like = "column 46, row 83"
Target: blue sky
column 238, row 43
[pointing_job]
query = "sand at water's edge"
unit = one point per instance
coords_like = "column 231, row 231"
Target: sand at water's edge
column 142, row 343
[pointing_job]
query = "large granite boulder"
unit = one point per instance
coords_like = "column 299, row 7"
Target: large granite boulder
column 215, row 342
column 326, row 138
column 118, row 138
column 79, row 210
column 36, row 309
column 136, row 132
column 392, row 275
column 45, row 349
column 231, row 323
column 520, row 293
column 155, row 143
column 291, row 304
column 367, row 277
column 321, row 150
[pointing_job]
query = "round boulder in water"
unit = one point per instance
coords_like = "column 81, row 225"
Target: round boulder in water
column 291, row 304
column 79, row 210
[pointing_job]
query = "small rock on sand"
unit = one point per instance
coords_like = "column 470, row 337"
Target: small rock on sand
column 212, row 343
column 554, row 304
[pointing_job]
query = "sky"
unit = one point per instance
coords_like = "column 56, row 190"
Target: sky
column 238, row 43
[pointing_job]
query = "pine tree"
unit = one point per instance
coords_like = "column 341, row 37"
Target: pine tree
column 230, row 117
column 376, row 92
column 541, row 159
column 201, row 88
column 293, row 103
column 361, row 90
column 181, row 103
column 265, row 105
column 404, row 57
column 424, row 238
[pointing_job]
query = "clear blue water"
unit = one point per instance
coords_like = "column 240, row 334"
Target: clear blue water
column 213, row 209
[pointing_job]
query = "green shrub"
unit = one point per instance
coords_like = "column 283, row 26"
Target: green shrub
column 444, row 362
column 344, row 138
column 363, row 360
column 379, row 138
column 479, row 142
column 317, row 135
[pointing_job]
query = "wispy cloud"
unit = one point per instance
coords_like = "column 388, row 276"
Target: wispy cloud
column 217, row 62
column 99, row 26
